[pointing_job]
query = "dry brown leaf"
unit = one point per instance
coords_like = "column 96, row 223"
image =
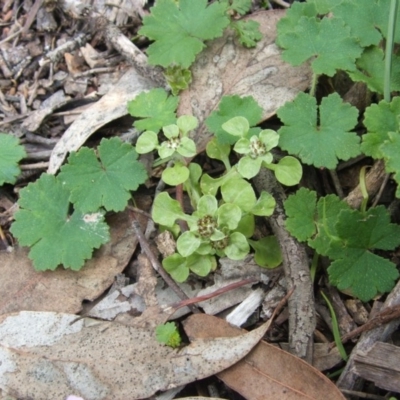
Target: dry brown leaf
column 267, row 370
column 111, row 106
column 44, row 356
column 227, row 68
column 62, row 290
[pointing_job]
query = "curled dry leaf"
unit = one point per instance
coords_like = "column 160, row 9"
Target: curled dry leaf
column 227, row 68
column 267, row 369
column 46, row 356
column 110, row 107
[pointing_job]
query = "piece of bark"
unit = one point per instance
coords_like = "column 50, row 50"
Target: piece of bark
column 297, row 271
column 380, row 364
column 349, row 379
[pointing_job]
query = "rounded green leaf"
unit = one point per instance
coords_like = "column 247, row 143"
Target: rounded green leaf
column 187, row 244
column 176, row 266
column 166, row 210
column 266, row 159
column 229, row 216
column 249, row 167
column 265, row 205
column 200, row 265
column 239, row 192
column 207, row 205
column 146, row 142
column 216, row 150
column 246, row 225
column 164, row 151
column 204, row 249
column 195, row 172
column 217, row 236
column 187, row 147
column 187, row 123
column 175, row 175
column 238, row 248
column 268, row 252
column 171, row 131
column 288, row 171
column 236, row 126
column 270, row 138
column 242, row 146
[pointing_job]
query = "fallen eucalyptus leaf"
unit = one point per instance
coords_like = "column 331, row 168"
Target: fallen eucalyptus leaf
column 267, row 369
column 46, row 356
column 64, row 290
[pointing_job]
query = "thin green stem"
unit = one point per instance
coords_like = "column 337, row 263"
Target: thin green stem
column 313, row 84
column 314, row 266
column 363, row 188
column 335, row 329
column 389, row 48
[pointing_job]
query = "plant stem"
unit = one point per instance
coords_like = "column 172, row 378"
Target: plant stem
column 313, row 84
column 364, row 190
column 335, row 329
column 389, row 48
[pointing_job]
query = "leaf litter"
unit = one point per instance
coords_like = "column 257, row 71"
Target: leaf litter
column 46, row 355
column 108, row 110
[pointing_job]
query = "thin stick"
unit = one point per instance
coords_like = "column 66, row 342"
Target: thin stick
column 208, row 296
column 389, row 314
column 157, row 266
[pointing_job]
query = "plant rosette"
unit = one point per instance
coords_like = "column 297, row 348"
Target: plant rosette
column 213, row 230
column 177, row 146
column 256, row 152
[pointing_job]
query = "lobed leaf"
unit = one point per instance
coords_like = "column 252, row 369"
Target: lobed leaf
column 180, row 28
column 300, row 209
column 391, row 150
column 11, row 152
column 356, row 268
column 371, row 70
column 323, row 144
column 155, row 107
column 105, row 181
column 340, row 54
column 55, row 236
column 248, row 32
column 379, row 119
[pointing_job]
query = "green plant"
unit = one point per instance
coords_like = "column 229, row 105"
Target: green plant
column 348, row 237
column 168, row 334
column 11, row 152
column 331, row 35
column 90, row 185
column 180, row 28
column 177, row 146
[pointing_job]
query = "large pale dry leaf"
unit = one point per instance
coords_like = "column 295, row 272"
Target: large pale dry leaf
column 23, row 288
column 111, row 106
column 267, row 369
column 227, row 68
column 44, row 356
